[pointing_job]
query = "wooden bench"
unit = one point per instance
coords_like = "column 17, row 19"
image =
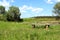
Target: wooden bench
column 45, row 25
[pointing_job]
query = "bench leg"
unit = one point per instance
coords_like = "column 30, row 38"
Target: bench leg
column 46, row 27
column 33, row 26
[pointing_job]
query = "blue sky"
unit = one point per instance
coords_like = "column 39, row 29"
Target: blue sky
column 31, row 8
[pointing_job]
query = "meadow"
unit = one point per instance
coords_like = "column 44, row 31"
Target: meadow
column 24, row 31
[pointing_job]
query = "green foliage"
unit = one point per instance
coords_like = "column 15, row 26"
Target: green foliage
column 57, row 9
column 13, row 13
column 2, row 17
column 2, row 9
column 2, row 13
column 24, row 31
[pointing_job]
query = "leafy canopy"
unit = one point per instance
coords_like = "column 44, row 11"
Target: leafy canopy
column 2, row 9
column 13, row 13
column 57, row 9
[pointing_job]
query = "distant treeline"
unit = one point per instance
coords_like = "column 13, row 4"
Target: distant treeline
column 47, row 17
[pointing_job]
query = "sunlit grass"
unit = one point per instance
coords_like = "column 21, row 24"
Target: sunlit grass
column 24, row 31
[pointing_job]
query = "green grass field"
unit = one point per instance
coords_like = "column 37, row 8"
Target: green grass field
column 24, row 31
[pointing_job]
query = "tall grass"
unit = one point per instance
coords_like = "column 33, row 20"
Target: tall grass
column 24, row 31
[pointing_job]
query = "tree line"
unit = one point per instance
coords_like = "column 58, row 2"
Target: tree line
column 12, row 14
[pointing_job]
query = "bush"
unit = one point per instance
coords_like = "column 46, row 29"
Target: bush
column 2, row 17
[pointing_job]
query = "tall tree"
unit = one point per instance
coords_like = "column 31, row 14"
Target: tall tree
column 13, row 13
column 2, row 9
column 57, row 9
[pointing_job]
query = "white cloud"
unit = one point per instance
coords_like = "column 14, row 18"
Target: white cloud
column 26, row 8
column 49, row 1
column 23, row 8
column 52, row 1
column 12, row 0
column 6, row 3
column 57, row 0
column 37, row 10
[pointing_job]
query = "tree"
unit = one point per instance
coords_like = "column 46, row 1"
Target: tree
column 2, row 9
column 57, row 9
column 13, row 13
column 2, row 12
